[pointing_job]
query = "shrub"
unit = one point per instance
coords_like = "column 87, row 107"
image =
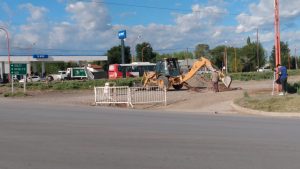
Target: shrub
column 293, row 88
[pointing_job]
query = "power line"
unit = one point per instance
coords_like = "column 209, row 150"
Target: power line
column 153, row 7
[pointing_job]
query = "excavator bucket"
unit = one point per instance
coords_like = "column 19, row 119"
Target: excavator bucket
column 227, row 81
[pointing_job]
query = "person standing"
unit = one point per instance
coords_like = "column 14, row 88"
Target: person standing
column 215, row 80
column 282, row 73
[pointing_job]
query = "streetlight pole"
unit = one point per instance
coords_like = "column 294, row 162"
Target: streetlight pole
column 132, row 55
column 225, row 58
column 143, row 52
column 8, row 50
column 257, row 49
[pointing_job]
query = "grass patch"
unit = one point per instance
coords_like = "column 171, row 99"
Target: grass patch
column 270, row 103
column 246, row 76
column 74, row 84
column 15, row 94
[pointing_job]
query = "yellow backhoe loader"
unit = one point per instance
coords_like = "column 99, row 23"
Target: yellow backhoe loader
column 168, row 74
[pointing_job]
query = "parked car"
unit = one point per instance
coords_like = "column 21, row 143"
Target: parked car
column 264, row 69
column 31, row 79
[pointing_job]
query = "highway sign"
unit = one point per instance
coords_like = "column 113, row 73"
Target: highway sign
column 40, row 56
column 122, row 34
column 18, row 69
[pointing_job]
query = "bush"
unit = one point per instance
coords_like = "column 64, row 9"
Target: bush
column 294, row 88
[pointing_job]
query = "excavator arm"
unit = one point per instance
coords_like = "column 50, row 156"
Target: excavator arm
column 196, row 66
column 203, row 62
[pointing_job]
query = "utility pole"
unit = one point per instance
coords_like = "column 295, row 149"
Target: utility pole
column 225, row 60
column 296, row 58
column 257, row 50
column 235, row 69
column 187, row 59
column 277, row 36
column 289, row 61
column 277, row 33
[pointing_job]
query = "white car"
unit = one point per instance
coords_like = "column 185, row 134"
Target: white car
column 31, row 79
column 264, row 69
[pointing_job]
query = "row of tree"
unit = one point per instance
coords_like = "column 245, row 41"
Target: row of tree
column 247, row 58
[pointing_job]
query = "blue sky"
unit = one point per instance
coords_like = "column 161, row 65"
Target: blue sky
column 168, row 25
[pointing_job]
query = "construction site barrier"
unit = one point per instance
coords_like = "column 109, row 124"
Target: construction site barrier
column 130, row 95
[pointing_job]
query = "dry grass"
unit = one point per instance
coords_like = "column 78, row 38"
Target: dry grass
column 264, row 102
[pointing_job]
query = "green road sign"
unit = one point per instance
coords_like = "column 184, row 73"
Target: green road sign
column 18, row 69
column 78, row 72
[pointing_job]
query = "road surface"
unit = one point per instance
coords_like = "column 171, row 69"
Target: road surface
column 43, row 136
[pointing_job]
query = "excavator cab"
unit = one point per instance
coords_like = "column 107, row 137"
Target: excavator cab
column 168, row 67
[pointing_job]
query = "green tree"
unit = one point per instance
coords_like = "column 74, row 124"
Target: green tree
column 145, row 52
column 114, row 55
column 234, row 61
column 284, row 52
column 217, row 56
column 179, row 55
column 249, row 58
column 202, row 50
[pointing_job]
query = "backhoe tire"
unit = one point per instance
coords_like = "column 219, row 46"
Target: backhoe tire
column 163, row 82
column 178, row 87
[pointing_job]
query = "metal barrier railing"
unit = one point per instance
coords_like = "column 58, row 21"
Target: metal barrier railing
column 129, row 95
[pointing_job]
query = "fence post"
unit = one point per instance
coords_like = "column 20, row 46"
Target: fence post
column 165, row 90
column 129, row 102
column 95, row 91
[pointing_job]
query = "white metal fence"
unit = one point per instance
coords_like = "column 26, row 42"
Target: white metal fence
column 129, row 95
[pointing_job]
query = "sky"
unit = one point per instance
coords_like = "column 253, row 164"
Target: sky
column 91, row 26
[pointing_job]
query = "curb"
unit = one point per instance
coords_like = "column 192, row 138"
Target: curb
column 244, row 110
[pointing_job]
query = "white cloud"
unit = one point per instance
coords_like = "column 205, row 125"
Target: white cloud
column 36, row 13
column 200, row 17
column 89, row 16
column 262, row 14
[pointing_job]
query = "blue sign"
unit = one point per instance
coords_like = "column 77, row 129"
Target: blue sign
column 122, row 34
column 40, row 56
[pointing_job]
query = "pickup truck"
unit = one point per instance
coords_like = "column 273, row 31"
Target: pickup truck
column 62, row 75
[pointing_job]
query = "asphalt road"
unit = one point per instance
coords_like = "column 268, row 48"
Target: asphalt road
column 57, row 137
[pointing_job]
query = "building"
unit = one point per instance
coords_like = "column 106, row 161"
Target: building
column 32, row 60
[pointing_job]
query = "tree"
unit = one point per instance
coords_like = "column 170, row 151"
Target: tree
column 249, row 58
column 285, row 53
column 217, row 57
column 248, row 41
column 114, row 55
column 179, row 55
column 145, row 52
column 234, row 61
column 202, row 50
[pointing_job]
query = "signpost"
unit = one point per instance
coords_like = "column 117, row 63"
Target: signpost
column 122, row 36
column 18, row 69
